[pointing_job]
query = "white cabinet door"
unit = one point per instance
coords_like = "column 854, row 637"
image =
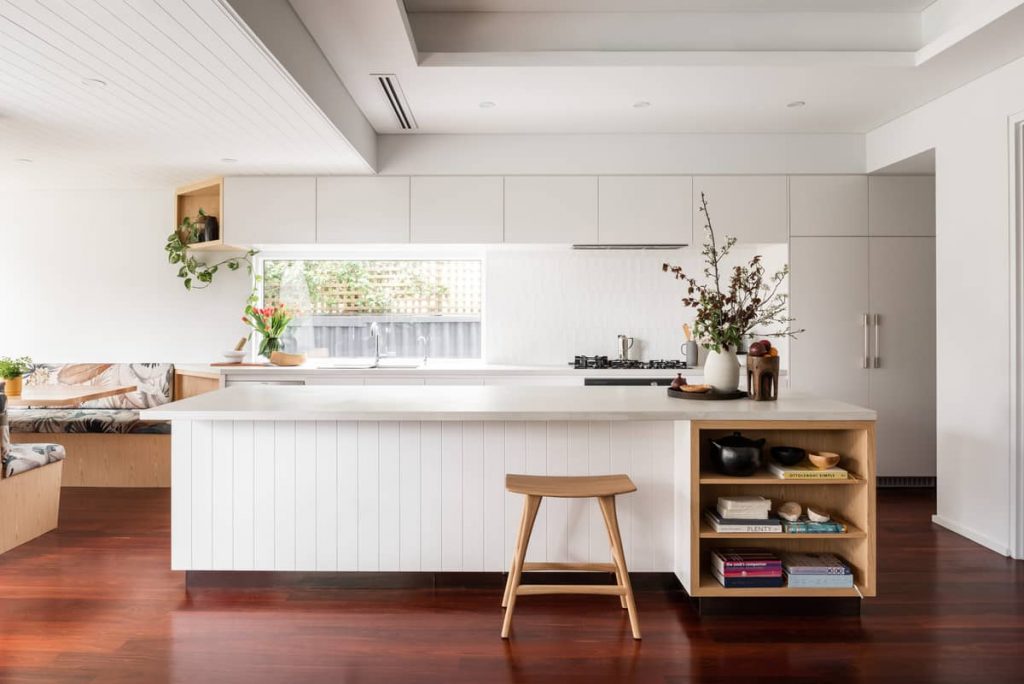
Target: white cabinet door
column 645, row 210
column 269, row 210
column 393, row 380
column 903, row 384
column 752, row 209
column 829, row 298
column 457, row 209
column 371, row 209
column 454, row 380
column 902, row 205
column 551, row 209
column 535, row 380
column 828, row 205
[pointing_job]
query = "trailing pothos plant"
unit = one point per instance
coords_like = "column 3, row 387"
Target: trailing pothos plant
column 750, row 299
column 197, row 274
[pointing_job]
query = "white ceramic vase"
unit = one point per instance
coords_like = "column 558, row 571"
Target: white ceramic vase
column 722, row 371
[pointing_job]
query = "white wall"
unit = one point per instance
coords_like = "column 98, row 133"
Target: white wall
column 85, row 278
column 969, row 130
column 545, row 305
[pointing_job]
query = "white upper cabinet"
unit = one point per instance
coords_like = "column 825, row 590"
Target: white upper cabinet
column 269, row 210
column 457, row 209
column 752, row 209
column 828, row 205
column 645, row 210
column 902, row 205
column 362, row 209
column 551, row 209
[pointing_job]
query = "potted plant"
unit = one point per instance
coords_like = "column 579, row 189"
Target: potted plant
column 12, row 371
column 270, row 322
column 726, row 314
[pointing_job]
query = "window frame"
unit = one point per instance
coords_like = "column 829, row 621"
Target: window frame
column 379, row 253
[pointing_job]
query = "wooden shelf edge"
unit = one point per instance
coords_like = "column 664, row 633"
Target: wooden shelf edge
column 853, row 532
column 215, row 246
column 763, row 478
column 709, row 586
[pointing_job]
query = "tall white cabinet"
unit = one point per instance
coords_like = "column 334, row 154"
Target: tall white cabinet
column 867, row 301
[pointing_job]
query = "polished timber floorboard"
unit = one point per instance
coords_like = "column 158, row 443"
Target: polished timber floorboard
column 95, row 602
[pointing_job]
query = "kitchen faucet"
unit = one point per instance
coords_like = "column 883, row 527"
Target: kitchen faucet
column 375, row 334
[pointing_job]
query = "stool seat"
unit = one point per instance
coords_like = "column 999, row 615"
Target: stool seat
column 569, row 487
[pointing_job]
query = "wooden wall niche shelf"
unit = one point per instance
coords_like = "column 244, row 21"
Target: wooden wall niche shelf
column 207, row 195
column 851, row 500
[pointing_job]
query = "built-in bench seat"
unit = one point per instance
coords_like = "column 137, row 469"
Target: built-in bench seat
column 30, row 477
column 108, row 444
column 104, row 421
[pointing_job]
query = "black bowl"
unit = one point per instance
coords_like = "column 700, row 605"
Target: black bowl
column 736, row 455
column 787, row 455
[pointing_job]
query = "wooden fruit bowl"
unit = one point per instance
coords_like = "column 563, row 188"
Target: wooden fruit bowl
column 279, row 358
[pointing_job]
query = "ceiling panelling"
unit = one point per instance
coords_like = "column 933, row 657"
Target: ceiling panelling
column 667, row 5
column 186, row 86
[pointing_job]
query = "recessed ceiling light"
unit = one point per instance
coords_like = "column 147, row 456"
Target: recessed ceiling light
column 796, row 104
column 94, row 83
column 228, row 160
column 487, row 104
column 23, row 160
column 641, row 104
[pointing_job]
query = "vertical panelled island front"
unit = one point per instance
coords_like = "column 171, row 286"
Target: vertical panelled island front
column 411, row 479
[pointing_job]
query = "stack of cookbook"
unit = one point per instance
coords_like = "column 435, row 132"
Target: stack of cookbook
column 743, row 515
column 816, row 571
column 746, row 568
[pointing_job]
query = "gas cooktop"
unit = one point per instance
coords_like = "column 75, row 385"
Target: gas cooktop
column 603, row 362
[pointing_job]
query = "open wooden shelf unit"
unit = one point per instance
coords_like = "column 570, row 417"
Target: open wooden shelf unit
column 207, row 195
column 852, row 501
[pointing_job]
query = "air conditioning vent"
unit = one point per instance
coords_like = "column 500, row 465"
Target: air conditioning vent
column 607, row 248
column 396, row 100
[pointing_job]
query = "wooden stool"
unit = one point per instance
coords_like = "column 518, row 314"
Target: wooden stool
column 602, row 487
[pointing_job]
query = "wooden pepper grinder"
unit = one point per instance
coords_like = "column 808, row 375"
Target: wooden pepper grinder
column 762, row 372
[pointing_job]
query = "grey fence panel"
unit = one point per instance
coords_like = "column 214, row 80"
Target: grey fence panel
column 449, row 337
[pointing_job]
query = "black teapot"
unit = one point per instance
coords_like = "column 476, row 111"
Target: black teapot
column 736, row 455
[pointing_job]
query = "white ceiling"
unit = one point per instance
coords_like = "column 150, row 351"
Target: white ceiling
column 579, row 66
column 186, row 85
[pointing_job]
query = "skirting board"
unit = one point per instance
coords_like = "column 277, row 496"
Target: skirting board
column 975, row 537
column 243, row 579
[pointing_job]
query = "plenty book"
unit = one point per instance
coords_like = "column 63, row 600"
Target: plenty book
column 805, row 471
column 741, row 525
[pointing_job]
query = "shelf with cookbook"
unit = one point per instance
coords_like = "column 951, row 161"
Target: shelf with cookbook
column 844, row 495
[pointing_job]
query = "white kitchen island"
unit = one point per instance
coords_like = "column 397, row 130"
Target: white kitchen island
column 411, row 479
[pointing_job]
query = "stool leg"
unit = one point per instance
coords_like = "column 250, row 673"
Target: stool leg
column 515, row 553
column 611, row 544
column 530, row 509
column 612, row 522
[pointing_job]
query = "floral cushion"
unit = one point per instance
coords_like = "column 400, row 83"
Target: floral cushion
column 155, row 382
column 78, row 420
column 24, row 457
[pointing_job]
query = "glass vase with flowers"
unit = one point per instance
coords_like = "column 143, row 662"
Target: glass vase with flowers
column 270, row 323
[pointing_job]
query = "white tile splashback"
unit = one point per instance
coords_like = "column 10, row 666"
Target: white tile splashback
column 544, row 305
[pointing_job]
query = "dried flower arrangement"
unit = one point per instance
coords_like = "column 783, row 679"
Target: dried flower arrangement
column 751, row 299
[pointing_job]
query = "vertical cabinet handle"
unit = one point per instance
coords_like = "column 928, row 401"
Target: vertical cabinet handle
column 878, row 358
column 866, row 322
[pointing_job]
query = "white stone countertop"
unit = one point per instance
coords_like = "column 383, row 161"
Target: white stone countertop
column 481, row 402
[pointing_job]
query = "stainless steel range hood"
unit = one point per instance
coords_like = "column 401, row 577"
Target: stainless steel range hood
column 634, row 247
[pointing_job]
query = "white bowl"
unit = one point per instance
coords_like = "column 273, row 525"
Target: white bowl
column 234, row 356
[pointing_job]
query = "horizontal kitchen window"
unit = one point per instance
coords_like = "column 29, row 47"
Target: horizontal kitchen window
column 422, row 307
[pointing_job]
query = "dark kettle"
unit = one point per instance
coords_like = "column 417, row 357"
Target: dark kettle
column 736, row 455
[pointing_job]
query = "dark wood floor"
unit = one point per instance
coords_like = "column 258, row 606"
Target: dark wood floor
column 95, row 602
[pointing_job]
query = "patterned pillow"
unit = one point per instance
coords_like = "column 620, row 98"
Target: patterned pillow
column 24, row 457
column 155, row 381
